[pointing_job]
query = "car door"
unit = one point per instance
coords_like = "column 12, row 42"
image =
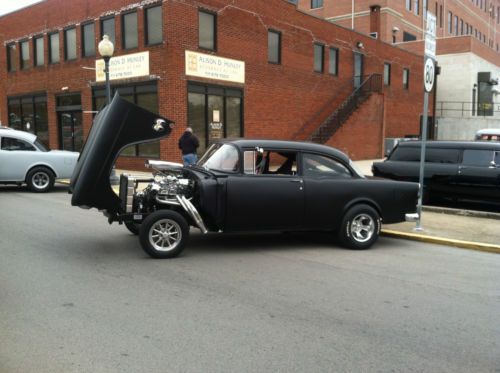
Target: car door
column 15, row 157
column 479, row 174
column 267, row 198
column 329, row 186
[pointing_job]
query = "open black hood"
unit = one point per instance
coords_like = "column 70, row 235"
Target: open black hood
column 118, row 125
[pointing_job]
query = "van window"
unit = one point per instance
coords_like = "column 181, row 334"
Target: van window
column 480, row 158
column 405, row 154
column 439, row 155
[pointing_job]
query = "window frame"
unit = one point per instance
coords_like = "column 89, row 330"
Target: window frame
column 82, row 37
column 278, row 33
column 387, row 82
column 146, row 24
column 336, row 66
column 406, row 75
column 316, row 4
column 49, row 37
column 35, row 51
column 214, row 17
column 65, row 37
column 22, row 64
column 101, row 28
column 124, row 44
column 322, row 46
column 11, row 53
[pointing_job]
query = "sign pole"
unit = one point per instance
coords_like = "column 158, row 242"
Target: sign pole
column 429, row 76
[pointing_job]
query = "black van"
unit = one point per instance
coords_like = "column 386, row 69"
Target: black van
column 453, row 169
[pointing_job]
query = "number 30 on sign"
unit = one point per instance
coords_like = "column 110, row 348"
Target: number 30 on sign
column 429, row 74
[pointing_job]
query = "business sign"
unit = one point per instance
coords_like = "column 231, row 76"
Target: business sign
column 123, row 67
column 430, row 36
column 213, row 67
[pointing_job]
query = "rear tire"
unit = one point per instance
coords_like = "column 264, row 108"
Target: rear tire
column 163, row 234
column 40, row 180
column 360, row 227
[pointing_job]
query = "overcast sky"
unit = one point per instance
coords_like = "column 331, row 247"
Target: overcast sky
column 7, row 6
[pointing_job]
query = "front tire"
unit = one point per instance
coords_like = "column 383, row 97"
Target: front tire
column 163, row 234
column 360, row 227
column 40, row 180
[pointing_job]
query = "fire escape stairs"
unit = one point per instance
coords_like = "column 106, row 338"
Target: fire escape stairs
column 369, row 85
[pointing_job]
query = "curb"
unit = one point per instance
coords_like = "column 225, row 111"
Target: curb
column 443, row 241
column 460, row 212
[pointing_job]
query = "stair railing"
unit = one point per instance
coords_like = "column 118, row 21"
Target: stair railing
column 373, row 83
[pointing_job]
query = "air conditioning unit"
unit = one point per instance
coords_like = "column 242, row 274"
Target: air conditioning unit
column 374, row 35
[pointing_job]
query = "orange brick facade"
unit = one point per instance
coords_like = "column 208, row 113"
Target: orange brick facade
column 482, row 18
column 278, row 99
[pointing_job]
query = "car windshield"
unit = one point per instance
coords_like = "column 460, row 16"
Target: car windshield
column 220, row 157
column 41, row 146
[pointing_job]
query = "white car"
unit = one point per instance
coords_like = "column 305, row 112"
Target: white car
column 23, row 159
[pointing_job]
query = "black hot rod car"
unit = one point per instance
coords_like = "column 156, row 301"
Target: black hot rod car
column 238, row 185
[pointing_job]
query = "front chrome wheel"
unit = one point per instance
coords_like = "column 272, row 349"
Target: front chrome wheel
column 165, row 235
column 362, row 227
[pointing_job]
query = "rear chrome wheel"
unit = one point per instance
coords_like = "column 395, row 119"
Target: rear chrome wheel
column 40, row 180
column 163, row 234
column 360, row 227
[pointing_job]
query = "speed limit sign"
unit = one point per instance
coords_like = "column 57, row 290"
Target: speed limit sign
column 429, row 74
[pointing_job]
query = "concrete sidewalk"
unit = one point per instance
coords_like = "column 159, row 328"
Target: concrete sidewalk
column 453, row 227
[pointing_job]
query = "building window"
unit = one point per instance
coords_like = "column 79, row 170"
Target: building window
column 29, row 113
column 11, row 57
column 450, row 26
column 319, row 52
column 108, row 28
column 207, row 30
column 387, row 74
column 406, row 78
column 70, row 44
column 214, row 112
column 441, row 16
column 425, row 7
column 408, row 37
column 54, row 48
column 88, row 40
column 466, row 28
column 154, row 28
column 316, row 4
column 25, row 54
column 456, row 24
column 417, row 7
column 333, row 66
column 408, row 5
column 461, row 26
column 129, row 30
column 274, row 46
column 143, row 95
column 39, row 51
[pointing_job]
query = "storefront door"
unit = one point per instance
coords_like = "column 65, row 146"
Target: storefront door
column 70, row 130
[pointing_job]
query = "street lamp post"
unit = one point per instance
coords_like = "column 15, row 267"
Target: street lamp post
column 106, row 49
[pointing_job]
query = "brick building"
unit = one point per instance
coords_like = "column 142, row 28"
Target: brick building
column 227, row 68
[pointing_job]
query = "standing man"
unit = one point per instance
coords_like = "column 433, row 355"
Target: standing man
column 188, row 143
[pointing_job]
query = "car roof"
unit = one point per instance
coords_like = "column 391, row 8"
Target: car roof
column 22, row 135
column 489, row 131
column 451, row 144
column 288, row 145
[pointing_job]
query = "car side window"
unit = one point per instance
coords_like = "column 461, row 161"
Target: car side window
column 315, row 165
column 270, row 162
column 11, row 144
column 479, row 158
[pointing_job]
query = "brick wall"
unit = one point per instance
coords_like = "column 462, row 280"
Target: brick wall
column 278, row 99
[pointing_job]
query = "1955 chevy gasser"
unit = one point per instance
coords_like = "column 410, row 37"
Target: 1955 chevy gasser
column 238, row 185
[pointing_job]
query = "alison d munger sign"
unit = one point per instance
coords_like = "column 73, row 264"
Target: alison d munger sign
column 123, row 67
column 213, row 67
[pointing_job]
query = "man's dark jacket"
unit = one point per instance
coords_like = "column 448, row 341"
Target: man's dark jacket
column 188, row 143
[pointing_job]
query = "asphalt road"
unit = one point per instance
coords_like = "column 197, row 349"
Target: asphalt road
column 79, row 295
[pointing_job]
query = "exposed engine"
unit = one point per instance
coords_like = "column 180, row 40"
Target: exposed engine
column 168, row 188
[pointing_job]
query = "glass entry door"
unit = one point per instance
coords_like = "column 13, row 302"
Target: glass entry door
column 358, row 69
column 70, row 130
